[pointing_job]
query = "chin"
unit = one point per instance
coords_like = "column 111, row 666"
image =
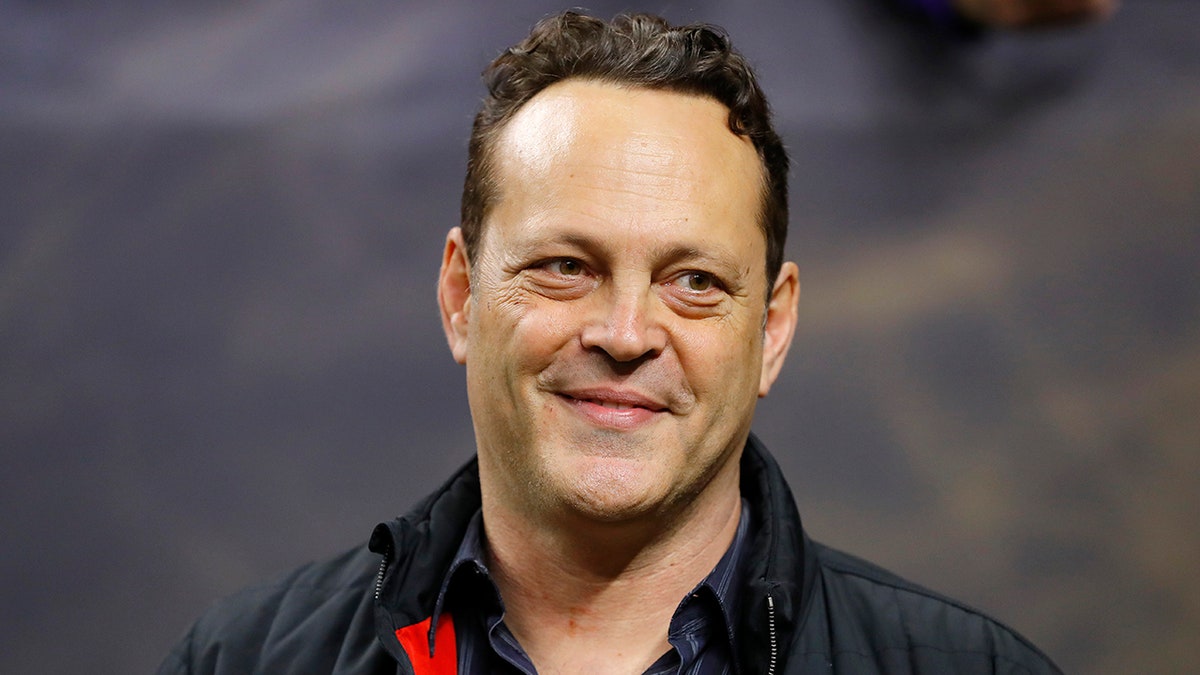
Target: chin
column 612, row 490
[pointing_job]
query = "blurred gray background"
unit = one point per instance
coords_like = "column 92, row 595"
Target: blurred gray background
column 220, row 224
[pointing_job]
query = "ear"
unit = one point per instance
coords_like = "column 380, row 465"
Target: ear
column 454, row 294
column 780, row 325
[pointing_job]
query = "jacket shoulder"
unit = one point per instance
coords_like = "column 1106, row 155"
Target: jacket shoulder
column 877, row 619
column 315, row 618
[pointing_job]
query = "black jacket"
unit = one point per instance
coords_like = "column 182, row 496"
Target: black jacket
column 805, row 608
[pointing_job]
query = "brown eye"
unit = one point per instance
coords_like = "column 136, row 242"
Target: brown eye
column 698, row 281
column 566, row 267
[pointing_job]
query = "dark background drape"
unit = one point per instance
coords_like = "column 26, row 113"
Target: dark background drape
column 220, row 225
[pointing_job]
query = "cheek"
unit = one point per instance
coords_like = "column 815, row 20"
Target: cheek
column 720, row 360
column 534, row 332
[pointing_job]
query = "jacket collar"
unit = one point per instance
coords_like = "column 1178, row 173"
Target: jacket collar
column 782, row 569
column 417, row 550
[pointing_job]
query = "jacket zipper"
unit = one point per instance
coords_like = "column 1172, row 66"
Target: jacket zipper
column 771, row 635
column 382, row 569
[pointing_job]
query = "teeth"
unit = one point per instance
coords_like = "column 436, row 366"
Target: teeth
column 614, row 406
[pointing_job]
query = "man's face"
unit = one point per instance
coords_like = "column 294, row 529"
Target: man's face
column 612, row 322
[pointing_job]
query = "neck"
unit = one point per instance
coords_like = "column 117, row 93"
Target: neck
column 587, row 596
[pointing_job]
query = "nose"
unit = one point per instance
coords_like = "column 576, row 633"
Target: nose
column 625, row 325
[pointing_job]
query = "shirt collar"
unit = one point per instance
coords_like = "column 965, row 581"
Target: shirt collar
column 713, row 603
column 470, row 556
column 721, row 583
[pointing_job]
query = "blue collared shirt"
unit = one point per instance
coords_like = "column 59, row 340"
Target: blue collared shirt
column 701, row 633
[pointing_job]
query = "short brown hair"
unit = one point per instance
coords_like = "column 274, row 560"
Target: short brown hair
column 639, row 50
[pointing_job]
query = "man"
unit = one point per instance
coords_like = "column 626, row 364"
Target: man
column 618, row 296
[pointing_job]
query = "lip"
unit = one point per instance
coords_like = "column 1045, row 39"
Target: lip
column 613, row 408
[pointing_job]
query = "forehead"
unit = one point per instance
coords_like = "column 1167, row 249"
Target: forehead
column 605, row 152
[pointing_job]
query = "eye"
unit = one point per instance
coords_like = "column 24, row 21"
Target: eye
column 697, row 281
column 566, row 267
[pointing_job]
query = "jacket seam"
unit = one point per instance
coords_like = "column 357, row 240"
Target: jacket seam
column 901, row 585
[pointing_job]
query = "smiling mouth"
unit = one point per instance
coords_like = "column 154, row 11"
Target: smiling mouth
column 614, row 405
column 613, row 409
column 615, row 402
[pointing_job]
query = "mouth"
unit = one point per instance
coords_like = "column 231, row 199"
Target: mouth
column 615, row 400
column 614, row 408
